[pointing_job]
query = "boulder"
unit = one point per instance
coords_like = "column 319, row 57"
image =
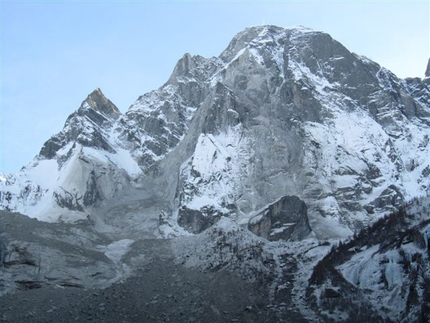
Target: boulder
column 285, row 219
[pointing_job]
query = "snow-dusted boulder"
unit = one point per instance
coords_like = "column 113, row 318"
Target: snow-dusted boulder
column 285, row 219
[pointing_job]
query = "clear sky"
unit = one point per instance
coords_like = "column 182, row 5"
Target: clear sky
column 54, row 53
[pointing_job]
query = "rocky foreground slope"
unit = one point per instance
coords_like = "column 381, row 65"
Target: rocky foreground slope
column 250, row 163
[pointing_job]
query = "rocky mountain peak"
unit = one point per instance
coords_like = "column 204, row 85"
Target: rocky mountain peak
column 98, row 101
column 248, row 36
column 427, row 73
column 185, row 65
column 86, row 126
column 194, row 68
column 264, row 37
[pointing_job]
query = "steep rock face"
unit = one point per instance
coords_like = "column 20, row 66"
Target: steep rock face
column 209, row 181
column 327, row 125
column 280, row 112
column 285, row 219
column 159, row 120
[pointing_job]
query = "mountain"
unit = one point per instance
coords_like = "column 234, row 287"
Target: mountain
column 279, row 112
column 264, row 154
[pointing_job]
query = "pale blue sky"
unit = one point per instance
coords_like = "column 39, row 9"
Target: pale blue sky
column 54, row 53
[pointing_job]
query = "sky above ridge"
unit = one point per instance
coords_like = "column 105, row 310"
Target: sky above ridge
column 54, row 53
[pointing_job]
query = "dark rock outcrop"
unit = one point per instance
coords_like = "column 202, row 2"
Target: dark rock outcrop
column 196, row 221
column 285, row 219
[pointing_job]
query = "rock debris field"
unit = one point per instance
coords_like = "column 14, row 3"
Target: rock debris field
column 161, row 291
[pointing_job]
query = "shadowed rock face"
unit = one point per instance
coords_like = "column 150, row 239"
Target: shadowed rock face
column 195, row 221
column 283, row 220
